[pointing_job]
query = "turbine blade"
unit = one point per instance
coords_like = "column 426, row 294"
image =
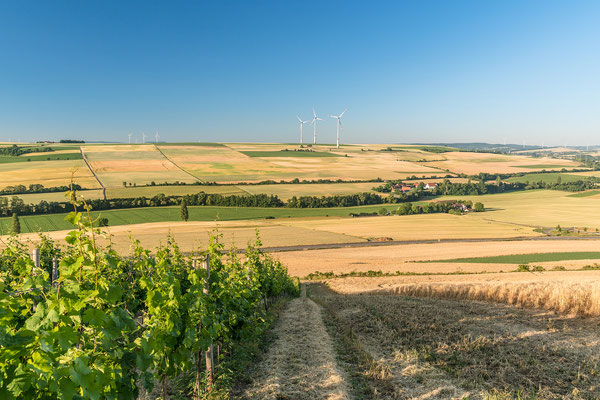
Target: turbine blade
column 314, row 112
column 343, row 112
column 333, row 116
column 297, row 116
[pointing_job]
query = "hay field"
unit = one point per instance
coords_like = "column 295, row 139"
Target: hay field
column 191, row 234
column 47, row 173
column 150, row 191
column 474, row 163
column 401, row 258
column 416, row 227
column 547, row 208
column 313, row 189
column 139, row 164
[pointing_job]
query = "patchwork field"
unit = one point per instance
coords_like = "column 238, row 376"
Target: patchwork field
column 474, row 163
column 135, row 164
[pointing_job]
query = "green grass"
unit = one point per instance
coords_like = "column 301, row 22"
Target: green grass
column 53, row 222
column 526, row 258
column 283, row 153
column 585, row 194
column 42, row 157
column 547, row 178
column 544, row 166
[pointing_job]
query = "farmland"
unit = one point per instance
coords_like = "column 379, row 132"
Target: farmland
column 410, row 306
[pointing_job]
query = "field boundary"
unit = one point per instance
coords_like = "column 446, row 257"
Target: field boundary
column 175, row 164
column 93, row 172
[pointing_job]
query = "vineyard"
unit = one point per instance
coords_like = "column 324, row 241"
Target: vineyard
column 83, row 322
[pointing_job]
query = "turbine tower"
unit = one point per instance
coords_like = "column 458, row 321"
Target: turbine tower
column 144, row 137
column 129, row 138
column 314, row 122
column 301, row 126
column 339, row 126
column 156, row 137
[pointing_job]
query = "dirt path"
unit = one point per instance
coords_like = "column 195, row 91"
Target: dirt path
column 445, row 349
column 300, row 363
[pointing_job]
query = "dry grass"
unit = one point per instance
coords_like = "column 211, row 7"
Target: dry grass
column 442, row 349
column 301, row 363
column 566, row 292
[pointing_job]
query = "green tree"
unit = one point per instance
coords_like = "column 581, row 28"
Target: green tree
column 184, row 210
column 478, row 207
column 559, row 180
column 16, row 224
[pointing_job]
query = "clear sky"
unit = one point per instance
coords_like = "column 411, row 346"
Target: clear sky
column 419, row 71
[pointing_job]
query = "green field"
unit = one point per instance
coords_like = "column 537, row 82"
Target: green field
column 527, row 258
column 586, row 194
column 284, row 153
column 40, row 157
column 53, row 222
column 551, row 177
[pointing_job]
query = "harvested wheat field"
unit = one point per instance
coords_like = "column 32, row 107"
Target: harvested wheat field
column 403, row 258
column 405, row 347
column 301, row 362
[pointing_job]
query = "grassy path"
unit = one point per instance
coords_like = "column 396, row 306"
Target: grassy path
column 300, row 364
column 423, row 348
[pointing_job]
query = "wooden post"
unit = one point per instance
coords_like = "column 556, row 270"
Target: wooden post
column 55, row 272
column 199, row 353
column 35, row 256
column 209, row 352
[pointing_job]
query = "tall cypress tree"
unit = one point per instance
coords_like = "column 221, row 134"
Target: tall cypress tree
column 16, row 224
column 184, row 210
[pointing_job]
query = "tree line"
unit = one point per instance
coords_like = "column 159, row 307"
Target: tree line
column 36, row 188
column 15, row 151
column 17, row 205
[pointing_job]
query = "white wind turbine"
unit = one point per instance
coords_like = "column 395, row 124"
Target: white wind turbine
column 314, row 122
column 339, row 126
column 301, row 126
column 156, row 137
column 129, row 138
column 144, row 137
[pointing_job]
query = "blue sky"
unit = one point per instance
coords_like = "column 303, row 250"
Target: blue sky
column 419, row 71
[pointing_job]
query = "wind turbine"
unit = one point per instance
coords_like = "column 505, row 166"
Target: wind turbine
column 156, row 137
column 129, row 138
column 301, row 126
column 314, row 122
column 339, row 126
column 144, row 137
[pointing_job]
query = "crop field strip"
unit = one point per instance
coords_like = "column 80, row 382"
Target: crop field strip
column 527, row 258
